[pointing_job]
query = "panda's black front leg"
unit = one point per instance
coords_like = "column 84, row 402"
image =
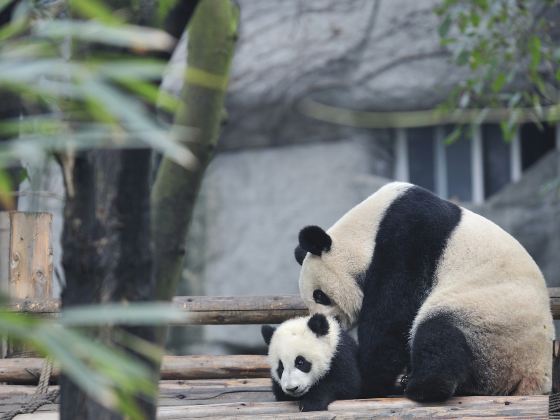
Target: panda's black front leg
column 315, row 402
column 383, row 356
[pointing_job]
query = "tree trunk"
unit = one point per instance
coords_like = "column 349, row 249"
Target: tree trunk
column 107, row 252
column 212, row 35
column 106, row 237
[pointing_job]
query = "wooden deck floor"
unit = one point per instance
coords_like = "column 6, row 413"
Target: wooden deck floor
column 252, row 398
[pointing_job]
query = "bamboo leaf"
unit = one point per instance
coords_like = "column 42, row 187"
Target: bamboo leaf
column 131, row 314
column 96, row 10
column 130, row 36
column 6, row 198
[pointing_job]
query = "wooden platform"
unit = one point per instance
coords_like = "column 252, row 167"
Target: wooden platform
column 239, row 386
column 252, row 398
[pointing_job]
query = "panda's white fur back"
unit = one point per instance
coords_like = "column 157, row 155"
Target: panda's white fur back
column 491, row 281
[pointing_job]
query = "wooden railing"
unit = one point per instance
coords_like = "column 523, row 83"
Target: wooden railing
column 222, row 310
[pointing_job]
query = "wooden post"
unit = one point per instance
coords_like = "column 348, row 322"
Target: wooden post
column 4, row 251
column 30, row 265
column 4, row 266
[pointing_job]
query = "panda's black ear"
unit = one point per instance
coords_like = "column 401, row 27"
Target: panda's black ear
column 299, row 253
column 319, row 324
column 267, row 331
column 315, row 240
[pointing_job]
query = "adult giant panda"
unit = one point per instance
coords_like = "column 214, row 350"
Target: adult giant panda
column 436, row 290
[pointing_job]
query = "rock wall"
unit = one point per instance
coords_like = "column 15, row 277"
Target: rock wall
column 253, row 204
column 362, row 54
column 530, row 211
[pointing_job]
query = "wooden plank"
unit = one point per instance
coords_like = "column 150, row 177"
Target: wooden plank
column 30, row 263
column 30, row 255
column 554, row 293
column 229, row 410
column 4, row 266
column 528, row 407
column 220, row 310
column 4, row 250
column 533, row 406
column 171, row 393
column 460, row 407
column 38, row 416
column 27, row 370
column 205, row 310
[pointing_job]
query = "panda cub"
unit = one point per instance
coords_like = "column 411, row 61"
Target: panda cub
column 312, row 360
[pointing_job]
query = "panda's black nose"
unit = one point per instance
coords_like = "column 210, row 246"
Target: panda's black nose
column 295, row 388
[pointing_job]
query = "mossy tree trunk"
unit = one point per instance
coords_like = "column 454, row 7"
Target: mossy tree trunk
column 212, row 35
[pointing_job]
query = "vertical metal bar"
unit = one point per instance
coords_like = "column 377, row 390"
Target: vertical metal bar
column 440, row 171
column 401, row 153
column 516, row 156
column 477, row 167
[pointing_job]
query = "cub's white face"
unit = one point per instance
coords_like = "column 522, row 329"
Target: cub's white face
column 298, row 357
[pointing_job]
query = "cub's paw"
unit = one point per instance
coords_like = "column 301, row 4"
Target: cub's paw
column 430, row 388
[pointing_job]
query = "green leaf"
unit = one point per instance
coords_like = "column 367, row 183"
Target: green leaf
column 134, row 37
column 443, row 29
column 131, row 314
column 163, row 9
column 4, row 4
column 535, row 51
column 475, row 19
column 6, row 197
column 453, row 136
column 463, row 57
column 94, row 9
column 482, row 4
column 499, row 82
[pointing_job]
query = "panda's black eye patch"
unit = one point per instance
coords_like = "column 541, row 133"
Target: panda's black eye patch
column 280, row 369
column 302, row 364
column 321, row 298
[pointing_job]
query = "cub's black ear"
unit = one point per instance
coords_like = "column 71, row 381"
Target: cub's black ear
column 315, row 240
column 318, row 324
column 267, row 331
column 299, row 253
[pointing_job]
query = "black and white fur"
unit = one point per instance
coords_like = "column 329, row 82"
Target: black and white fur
column 312, row 360
column 436, row 290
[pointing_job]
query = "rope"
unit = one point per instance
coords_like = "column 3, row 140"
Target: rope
column 554, row 406
column 40, row 397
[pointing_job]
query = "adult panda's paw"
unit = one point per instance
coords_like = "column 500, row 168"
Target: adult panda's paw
column 313, row 404
column 430, row 388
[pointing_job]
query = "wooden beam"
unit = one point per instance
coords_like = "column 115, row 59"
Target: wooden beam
column 238, row 397
column 30, row 262
column 533, row 407
column 210, row 310
column 27, row 370
column 30, row 255
column 206, row 310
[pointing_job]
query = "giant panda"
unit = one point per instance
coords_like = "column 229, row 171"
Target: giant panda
column 436, row 291
column 312, row 361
